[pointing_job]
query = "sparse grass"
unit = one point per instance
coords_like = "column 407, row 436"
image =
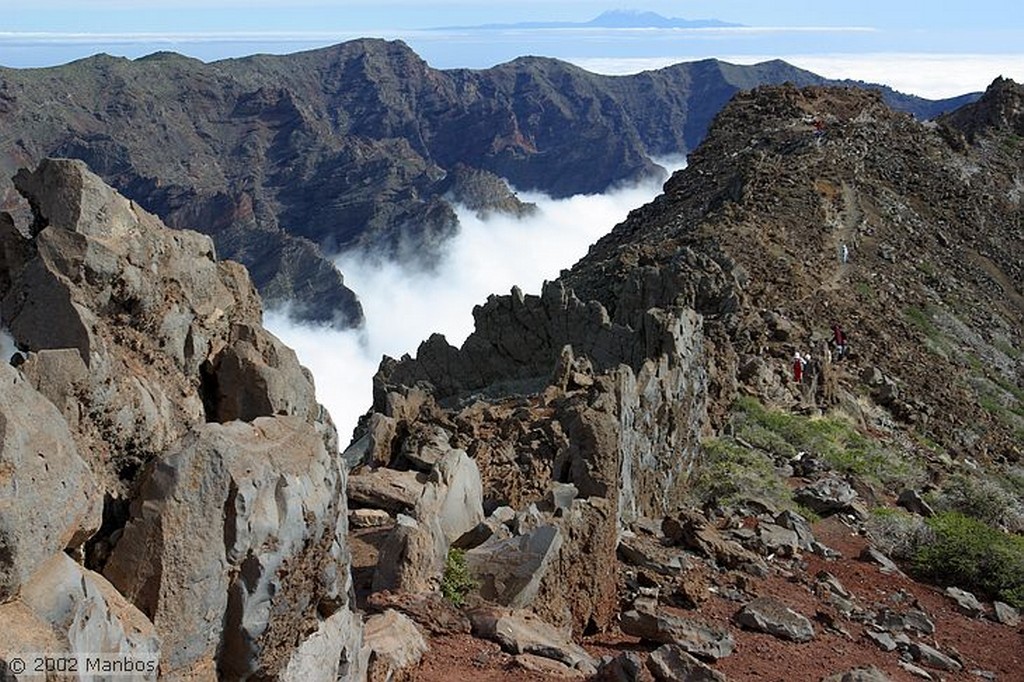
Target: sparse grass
column 1004, row 347
column 864, row 290
column 730, row 473
column 922, row 320
column 833, row 440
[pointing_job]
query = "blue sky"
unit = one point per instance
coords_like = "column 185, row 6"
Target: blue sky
column 226, row 15
column 906, row 42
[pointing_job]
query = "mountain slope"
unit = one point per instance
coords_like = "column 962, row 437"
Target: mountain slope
column 285, row 158
column 654, row 473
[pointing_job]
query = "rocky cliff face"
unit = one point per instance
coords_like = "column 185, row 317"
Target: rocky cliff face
column 171, row 486
column 284, row 159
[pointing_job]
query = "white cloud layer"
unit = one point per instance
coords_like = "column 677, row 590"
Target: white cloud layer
column 405, row 305
column 7, row 347
column 933, row 76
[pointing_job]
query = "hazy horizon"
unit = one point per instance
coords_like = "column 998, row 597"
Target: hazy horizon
column 919, row 49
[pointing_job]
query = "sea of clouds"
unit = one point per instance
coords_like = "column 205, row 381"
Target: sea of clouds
column 404, row 304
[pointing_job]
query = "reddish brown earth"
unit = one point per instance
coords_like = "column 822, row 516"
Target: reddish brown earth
column 981, row 644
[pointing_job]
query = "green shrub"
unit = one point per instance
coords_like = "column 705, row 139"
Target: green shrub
column 964, row 552
column 456, row 582
column 995, row 501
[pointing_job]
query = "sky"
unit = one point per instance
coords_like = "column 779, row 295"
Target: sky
column 926, row 48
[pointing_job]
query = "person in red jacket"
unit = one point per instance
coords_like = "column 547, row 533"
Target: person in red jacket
column 839, row 339
column 798, row 368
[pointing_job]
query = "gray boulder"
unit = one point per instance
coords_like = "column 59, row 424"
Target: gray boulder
column 628, row 666
column 510, row 571
column 930, row 657
column 453, row 495
column 520, row 632
column 695, row 637
column 826, row 496
column 965, row 601
column 67, row 609
column 388, row 489
column 767, row 614
column 333, row 651
column 395, row 645
column 798, row 524
column 235, row 543
column 49, row 498
column 672, row 663
column 1005, row 614
column 412, row 558
column 912, row 501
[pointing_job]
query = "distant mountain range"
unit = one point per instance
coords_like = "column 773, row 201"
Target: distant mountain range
column 283, row 159
column 620, row 18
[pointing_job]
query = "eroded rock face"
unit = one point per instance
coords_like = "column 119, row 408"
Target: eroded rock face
column 80, row 612
column 49, row 499
column 243, row 520
column 224, row 544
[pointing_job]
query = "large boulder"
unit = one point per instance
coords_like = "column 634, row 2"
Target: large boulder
column 170, row 336
column 693, row 636
column 510, row 571
column 395, row 645
column 768, row 614
column 49, row 498
column 235, row 545
column 523, row 632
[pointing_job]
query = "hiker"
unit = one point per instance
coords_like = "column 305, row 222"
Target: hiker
column 844, row 254
column 839, row 340
column 819, row 130
column 798, row 367
column 812, row 368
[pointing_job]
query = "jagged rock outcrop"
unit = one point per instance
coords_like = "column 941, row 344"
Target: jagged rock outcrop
column 155, row 432
column 285, row 160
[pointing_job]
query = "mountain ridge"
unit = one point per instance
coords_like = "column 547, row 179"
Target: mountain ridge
column 286, row 160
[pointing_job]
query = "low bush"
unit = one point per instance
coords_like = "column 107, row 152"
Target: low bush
column 964, row 552
column 993, row 500
column 895, row 532
column 456, row 582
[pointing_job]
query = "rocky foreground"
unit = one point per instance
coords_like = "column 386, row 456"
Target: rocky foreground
column 617, row 479
column 171, row 487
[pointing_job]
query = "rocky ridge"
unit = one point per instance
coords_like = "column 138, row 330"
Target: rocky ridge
column 597, row 411
column 283, row 159
column 616, row 478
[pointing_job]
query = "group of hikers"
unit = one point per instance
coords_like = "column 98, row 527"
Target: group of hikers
column 809, row 365
column 814, row 370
